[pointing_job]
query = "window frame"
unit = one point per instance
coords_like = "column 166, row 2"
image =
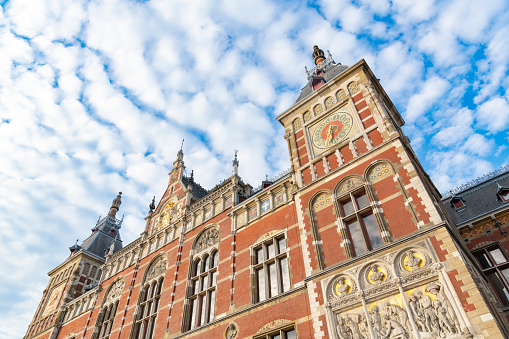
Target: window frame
column 209, row 293
column 265, row 266
column 282, row 332
column 495, row 269
column 106, row 319
column 150, row 296
column 358, row 215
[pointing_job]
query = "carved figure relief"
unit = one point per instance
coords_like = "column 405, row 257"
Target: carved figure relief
column 231, row 332
column 157, row 269
column 349, row 185
column 207, row 239
column 376, row 274
column 169, row 214
column 115, row 291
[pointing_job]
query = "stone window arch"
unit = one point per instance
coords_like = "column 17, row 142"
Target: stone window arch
column 148, row 301
column 306, row 116
column 200, row 303
column 108, row 310
column 361, row 228
column 297, row 124
column 329, row 101
column 353, row 88
column 318, row 109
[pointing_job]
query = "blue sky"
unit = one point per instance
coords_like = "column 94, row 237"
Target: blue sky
column 96, row 96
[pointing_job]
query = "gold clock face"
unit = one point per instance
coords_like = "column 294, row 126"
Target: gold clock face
column 331, row 131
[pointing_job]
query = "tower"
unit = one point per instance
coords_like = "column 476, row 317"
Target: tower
column 77, row 275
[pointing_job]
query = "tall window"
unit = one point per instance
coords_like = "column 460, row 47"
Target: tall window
column 105, row 321
column 285, row 333
column 271, row 275
column 147, row 309
column 203, row 289
column 357, row 216
column 109, row 307
column 493, row 262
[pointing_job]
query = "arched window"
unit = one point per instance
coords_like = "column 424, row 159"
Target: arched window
column 362, row 232
column 148, row 302
column 109, row 307
column 201, row 290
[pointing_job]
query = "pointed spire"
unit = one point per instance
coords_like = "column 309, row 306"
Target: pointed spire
column 115, row 205
column 318, row 55
column 236, row 164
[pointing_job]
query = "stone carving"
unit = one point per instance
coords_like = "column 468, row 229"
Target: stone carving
column 432, row 311
column 379, row 172
column 349, row 185
column 375, row 275
column 115, row 291
column 231, row 332
column 412, row 261
column 207, row 239
column 157, row 269
column 273, row 324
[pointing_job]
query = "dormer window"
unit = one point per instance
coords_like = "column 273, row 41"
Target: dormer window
column 458, row 203
column 112, row 232
column 503, row 194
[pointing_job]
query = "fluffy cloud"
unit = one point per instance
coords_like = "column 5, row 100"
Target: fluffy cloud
column 96, row 96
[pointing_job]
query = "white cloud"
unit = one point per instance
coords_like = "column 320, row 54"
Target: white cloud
column 493, row 114
column 432, row 90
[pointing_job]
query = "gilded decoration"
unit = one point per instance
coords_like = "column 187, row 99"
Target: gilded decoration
column 353, row 88
column 318, row 109
column 206, row 239
column 321, row 201
column 297, row 125
column 340, row 95
column 349, row 185
column 169, row 214
column 156, row 269
column 307, row 116
column 329, row 101
column 331, row 130
column 380, row 171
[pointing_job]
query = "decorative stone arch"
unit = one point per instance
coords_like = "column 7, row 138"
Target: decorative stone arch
column 340, row 95
column 274, row 325
column 343, row 286
column 348, row 184
column 114, row 291
column 379, row 170
column 306, row 116
column 109, row 307
column 156, row 268
column 412, row 259
column 297, row 124
column 208, row 237
column 317, row 109
column 353, row 88
column 329, row 102
column 374, row 273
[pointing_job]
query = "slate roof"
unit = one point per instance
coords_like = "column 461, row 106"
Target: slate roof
column 198, row 191
column 101, row 240
column 329, row 74
column 479, row 199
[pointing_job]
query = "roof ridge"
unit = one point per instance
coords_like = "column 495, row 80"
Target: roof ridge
column 480, row 180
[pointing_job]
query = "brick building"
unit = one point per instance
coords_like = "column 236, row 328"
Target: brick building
column 480, row 210
column 351, row 242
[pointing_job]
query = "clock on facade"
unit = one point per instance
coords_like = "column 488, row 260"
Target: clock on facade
column 331, row 131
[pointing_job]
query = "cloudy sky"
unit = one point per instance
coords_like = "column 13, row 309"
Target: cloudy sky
column 96, row 96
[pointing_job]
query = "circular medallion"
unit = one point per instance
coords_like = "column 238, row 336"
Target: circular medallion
column 332, row 130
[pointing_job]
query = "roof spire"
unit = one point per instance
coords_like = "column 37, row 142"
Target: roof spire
column 115, row 205
column 235, row 164
column 318, row 55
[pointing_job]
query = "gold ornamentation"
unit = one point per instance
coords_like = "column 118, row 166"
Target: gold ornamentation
column 340, row 95
column 353, row 88
column 307, row 116
column 379, row 172
column 329, row 101
column 343, row 287
column 318, row 109
column 169, row 213
column 322, row 200
column 297, row 125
